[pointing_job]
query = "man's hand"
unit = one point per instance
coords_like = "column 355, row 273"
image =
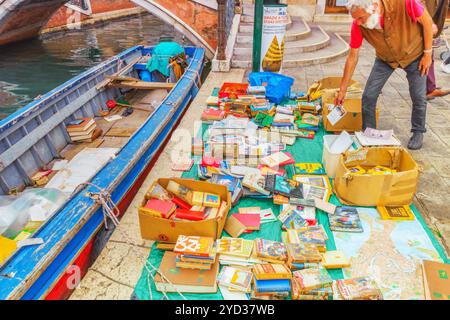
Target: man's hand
column 425, row 64
column 339, row 100
column 435, row 29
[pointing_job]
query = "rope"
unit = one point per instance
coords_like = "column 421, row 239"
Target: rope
column 111, row 212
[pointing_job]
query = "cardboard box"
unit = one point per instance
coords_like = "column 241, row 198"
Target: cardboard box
column 329, row 159
column 167, row 230
column 352, row 121
column 395, row 189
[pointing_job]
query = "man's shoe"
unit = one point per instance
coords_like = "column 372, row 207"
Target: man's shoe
column 437, row 93
column 416, row 141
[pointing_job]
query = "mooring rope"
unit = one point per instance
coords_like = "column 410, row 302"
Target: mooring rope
column 111, row 212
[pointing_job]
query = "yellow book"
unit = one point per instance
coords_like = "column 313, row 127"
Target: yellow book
column 7, row 247
column 335, row 260
column 197, row 198
column 396, row 213
column 211, row 200
column 269, row 271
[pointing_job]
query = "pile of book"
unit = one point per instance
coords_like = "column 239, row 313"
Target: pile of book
column 83, row 130
column 195, row 252
column 180, row 203
column 271, row 281
column 312, row 284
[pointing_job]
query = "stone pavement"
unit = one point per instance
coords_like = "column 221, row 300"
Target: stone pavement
column 433, row 194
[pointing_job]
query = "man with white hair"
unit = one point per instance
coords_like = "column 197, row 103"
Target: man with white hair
column 401, row 33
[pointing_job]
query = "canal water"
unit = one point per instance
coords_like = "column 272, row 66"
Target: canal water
column 34, row 67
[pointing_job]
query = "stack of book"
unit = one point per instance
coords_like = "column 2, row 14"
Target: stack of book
column 314, row 235
column 83, row 130
column 195, row 252
column 236, row 252
column 283, row 120
column 361, row 288
column 236, row 279
column 312, row 284
column 211, row 114
column 170, row 278
column 270, row 251
column 302, row 256
column 271, row 281
column 308, row 122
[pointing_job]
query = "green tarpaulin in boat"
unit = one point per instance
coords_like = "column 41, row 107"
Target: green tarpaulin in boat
column 160, row 57
column 304, row 150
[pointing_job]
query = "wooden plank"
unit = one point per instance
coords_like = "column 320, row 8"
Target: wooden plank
column 105, row 82
column 120, row 132
column 143, row 85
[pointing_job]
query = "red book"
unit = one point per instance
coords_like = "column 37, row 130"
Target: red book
column 160, row 208
column 251, row 221
column 290, row 161
column 210, row 162
column 181, row 204
column 189, row 215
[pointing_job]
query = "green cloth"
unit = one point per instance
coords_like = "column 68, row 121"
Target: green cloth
column 304, row 150
column 160, row 57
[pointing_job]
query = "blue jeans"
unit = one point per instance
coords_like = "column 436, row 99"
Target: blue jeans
column 381, row 71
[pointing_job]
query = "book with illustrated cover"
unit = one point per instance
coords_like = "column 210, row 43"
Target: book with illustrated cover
column 193, row 245
column 309, row 168
column 315, row 192
column 282, row 186
column 255, row 182
column 272, row 251
column 269, row 271
column 313, row 278
column 361, row 288
column 294, row 221
column 310, row 119
column 396, row 213
column 226, row 180
column 156, row 191
column 303, row 253
column 185, row 280
column 314, row 235
column 345, row 219
column 234, row 278
column 314, row 180
column 277, row 159
column 235, row 247
column 325, row 293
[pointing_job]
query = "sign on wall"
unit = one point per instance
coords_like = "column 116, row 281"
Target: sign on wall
column 275, row 19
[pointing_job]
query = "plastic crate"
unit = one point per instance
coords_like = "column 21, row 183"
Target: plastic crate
column 232, row 90
column 278, row 86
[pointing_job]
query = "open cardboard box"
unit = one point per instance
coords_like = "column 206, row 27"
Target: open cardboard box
column 395, row 189
column 167, row 230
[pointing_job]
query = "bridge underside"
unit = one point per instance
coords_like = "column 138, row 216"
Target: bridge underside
column 20, row 20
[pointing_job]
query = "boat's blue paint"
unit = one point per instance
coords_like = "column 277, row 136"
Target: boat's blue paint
column 69, row 229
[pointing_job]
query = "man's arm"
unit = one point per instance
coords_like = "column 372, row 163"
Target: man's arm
column 427, row 24
column 349, row 69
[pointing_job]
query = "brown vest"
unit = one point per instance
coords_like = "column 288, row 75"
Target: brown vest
column 401, row 40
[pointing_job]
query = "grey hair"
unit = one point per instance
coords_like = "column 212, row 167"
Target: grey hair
column 352, row 5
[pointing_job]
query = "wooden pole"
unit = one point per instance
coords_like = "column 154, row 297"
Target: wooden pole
column 221, row 33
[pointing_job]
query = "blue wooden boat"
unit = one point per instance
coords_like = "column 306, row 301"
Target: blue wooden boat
column 36, row 134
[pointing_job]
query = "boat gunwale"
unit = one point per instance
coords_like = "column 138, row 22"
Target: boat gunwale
column 91, row 206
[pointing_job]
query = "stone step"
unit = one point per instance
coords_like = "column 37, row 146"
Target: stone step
column 337, row 48
column 317, row 40
column 339, row 23
column 298, row 30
